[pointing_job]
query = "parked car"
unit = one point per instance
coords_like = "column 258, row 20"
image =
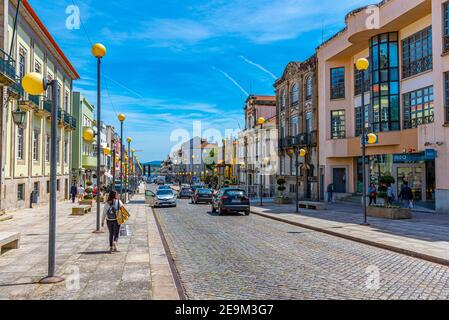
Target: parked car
column 165, row 198
column 185, row 192
column 202, row 196
column 231, row 200
column 164, row 187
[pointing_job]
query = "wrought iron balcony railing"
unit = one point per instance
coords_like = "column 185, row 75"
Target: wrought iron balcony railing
column 7, row 67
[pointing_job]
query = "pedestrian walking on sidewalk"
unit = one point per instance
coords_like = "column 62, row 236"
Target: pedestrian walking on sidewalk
column 330, row 193
column 407, row 196
column 110, row 212
column 73, row 192
column 391, row 196
column 81, row 191
column 372, row 194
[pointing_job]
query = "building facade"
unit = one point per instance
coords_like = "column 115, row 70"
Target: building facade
column 25, row 149
column 84, row 161
column 257, row 146
column 297, row 116
column 406, row 94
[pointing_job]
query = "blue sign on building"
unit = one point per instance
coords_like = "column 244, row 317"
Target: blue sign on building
column 428, row 155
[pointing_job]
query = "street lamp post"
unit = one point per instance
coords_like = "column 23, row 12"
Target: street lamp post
column 98, row 51
column 129, row 140
column 121, row 118
column 261, row 121
column 362, row 65
column 302, row 153
column 34, row 84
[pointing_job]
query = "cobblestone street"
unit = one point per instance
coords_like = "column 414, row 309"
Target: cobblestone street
column 238, row 257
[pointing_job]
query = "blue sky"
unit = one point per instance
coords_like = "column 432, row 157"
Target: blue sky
column 173, row 62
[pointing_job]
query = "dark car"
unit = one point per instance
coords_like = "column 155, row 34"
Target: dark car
column 202, row 196
column 231, row 200
column 186, row 192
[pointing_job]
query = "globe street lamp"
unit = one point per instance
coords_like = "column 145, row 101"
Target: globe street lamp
column 34, row 84
column 362, row 65
column 98, row 51
column 121, row 118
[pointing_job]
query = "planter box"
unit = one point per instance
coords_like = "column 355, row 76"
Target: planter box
column 282, row 201
column 389, row 213
column 86, row 203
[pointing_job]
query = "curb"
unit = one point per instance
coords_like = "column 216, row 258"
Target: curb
column 171, row 260
column 406, row 252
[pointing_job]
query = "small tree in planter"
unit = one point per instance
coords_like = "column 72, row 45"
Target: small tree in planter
column 89, row 197
column 227, row 183
column 282, row 198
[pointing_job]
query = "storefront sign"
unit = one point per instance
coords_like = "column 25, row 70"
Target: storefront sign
column 428, row 155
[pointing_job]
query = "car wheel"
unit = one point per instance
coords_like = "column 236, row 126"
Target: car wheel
column 247, row 213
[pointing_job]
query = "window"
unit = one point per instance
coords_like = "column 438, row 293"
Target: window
column 446, row 26
column 282, row 165
column 417, row 53
column 358, row 81
column 37, row 67
column 20, row 142
column 359, row 119
column 22, row 62
column 309, row 87
column 21, row 192
column 47, row 148
column 37, row 187
column 385, row 107
column 295, row 95
column 36, row 134
column 66, row 101
column 446, row 90
column 283, row 100
column 418, row 108
column 338, row 83
column 309, row 122
column 66, row 144
column 58, row 185
column 294, row 129
column 58, row 155
column 338, row 124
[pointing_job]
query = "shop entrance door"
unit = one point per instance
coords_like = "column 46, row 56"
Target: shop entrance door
column 340, row 180
column 415, row 174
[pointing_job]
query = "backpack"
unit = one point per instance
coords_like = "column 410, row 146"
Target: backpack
column 112, row 212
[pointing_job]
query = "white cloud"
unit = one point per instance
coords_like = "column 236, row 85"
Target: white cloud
column 258, row 66
column 232, row 80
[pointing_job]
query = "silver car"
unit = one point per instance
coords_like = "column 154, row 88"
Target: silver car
column 165, row 198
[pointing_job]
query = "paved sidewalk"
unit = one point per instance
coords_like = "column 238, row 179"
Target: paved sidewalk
column 140, row 271
column 425, row 236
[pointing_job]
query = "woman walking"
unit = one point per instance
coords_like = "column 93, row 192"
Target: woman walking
column 110, row 212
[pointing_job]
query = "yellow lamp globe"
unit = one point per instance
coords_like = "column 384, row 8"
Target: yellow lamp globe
column 107, row 151
column 98, row 50
column 129, row 140
column 302, row 152
column 88, row 134
column 261, row 120
column 372, row 138
column 132, row 150
column 121, row 117
column 362, row 64
column 33, row 83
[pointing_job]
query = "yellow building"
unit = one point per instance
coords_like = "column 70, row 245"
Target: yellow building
column 25, row 149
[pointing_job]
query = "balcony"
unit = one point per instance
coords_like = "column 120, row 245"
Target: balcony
column 29, row 102
column 47, row 107
column 7, row 69
column 15, row 90
column 89, row 162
